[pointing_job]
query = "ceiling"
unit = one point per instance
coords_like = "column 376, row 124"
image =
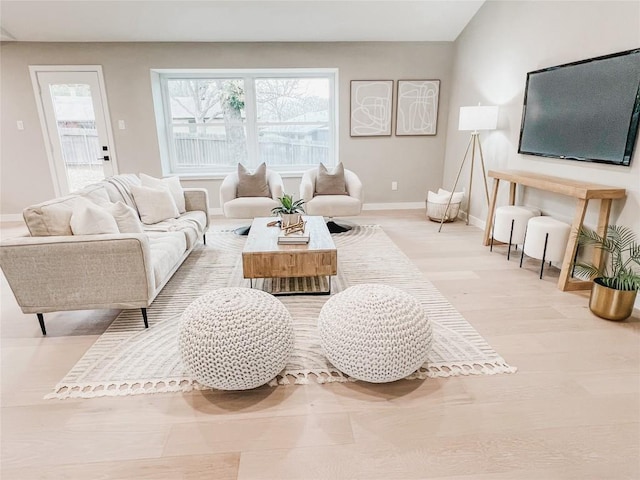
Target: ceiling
column 234, row 20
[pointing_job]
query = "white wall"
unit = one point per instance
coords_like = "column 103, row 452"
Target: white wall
column 416, row 163
column 500, row 45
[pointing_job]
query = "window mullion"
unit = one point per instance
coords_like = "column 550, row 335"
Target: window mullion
column 251, row 113
column 333, row 120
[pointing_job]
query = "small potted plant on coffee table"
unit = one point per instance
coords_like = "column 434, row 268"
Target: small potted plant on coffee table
column 616, row 284
column 289, row 210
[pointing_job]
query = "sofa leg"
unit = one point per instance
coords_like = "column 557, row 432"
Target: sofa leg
column 41, row 322
column 144, row 317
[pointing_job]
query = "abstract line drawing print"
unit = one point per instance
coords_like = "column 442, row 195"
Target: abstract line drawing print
column 371, row 103
column 417, row 107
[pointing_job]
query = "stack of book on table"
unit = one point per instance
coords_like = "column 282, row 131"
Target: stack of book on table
column 295, row 238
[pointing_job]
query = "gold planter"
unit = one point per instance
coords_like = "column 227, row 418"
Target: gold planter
column 610, row 303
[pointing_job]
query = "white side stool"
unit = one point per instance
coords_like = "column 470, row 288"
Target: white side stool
column 510, row 225
column 546, row 239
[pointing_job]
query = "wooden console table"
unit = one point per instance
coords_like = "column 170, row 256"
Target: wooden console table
column 582, row 191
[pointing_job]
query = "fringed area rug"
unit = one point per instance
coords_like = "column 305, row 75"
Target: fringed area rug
column 129, row 359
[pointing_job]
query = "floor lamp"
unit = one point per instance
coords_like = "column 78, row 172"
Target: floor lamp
column 473, row 119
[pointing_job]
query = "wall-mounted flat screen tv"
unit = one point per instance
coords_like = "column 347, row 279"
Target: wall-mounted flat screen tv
column 586, row 110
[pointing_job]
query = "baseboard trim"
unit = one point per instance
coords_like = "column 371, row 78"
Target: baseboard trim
column 476, row 222
column 394, row 206
column 11, row 217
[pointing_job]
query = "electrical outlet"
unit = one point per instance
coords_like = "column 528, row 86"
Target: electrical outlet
column 394, row 185
column 20, row 125
column 121, row 125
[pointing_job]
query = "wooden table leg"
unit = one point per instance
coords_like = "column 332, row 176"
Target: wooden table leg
column 492, row 209
column 512, row 193
column 564, row 282
column 603, row 224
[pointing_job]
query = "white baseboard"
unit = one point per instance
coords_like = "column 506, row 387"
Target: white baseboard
column 366, row 206
column 11, row 217
column 394, row 206
column 476, row 222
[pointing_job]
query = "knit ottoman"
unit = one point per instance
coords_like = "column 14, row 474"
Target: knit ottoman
column 235, row 338
column 375, row 333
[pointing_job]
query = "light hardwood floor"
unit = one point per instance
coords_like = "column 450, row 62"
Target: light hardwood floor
column 571, row 411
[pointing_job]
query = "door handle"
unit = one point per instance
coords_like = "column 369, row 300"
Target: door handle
column 105, row 158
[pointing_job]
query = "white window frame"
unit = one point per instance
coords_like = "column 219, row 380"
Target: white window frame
column 160, row 77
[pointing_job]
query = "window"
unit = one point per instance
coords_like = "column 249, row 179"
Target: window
column 209, row 121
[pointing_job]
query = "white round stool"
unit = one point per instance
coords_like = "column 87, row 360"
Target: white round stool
column 375, row 333
column 510, row 225
column 236, row 338
column 546, row 239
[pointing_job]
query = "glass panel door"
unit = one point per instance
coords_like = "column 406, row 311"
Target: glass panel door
column 76, row 125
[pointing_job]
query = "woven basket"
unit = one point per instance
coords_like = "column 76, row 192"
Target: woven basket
column 435, row 211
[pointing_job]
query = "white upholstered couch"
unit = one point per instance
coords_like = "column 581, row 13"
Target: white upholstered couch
column 53, row 270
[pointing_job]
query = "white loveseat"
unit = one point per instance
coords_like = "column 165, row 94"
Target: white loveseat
column 53, row 270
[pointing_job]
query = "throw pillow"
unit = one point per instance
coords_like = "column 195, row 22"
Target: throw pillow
column 97, row 193
column 92, row 220
column 253, row 184
column 331, row 183
column 126, row 218
column 154, row 204
column 53, row 216
column 172, row 183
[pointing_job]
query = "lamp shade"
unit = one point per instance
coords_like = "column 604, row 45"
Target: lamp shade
column 478, row 118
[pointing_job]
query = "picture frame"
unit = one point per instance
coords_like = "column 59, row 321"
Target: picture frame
column 371, row 108
column 417, row 107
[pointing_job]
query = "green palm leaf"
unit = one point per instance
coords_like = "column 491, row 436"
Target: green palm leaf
column 288, row 205
column 623, row 250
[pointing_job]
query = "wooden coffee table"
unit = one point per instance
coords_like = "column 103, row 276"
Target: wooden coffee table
column 263, row 257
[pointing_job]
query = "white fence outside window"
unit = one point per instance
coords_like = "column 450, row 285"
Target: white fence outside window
column 211, row 120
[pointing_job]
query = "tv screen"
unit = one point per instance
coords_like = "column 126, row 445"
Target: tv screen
column 586, row 110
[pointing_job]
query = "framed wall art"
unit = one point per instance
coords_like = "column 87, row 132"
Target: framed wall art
column 417, row 107
column 371, row 104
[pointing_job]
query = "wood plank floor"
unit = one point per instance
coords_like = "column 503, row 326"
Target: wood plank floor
column 571, row 412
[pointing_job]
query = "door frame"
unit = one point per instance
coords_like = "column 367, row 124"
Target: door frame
column 33, row 72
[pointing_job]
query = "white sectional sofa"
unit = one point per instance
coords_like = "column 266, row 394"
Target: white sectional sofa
column 54, row 270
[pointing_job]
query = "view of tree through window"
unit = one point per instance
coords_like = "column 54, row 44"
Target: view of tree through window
column 207, row 122
column 290, row 125
column 293, row 120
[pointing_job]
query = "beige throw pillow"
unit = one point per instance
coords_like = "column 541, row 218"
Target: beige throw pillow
column 92, row 220
column 331, row 183
column 126, row 218
column 97, row 193
column 253, row 184
column 53, row 217
column 172, row 183
column 154, row 204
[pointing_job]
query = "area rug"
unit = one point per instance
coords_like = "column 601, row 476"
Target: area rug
column 129, row 359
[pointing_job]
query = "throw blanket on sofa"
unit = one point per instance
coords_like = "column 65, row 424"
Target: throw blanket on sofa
column 123, row 184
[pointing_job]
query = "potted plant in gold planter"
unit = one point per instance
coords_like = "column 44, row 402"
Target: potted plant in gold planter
column 616, row 284
column 289, row 210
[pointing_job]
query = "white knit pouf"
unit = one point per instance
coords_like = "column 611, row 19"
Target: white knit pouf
column 236, row 338
column 375, row 333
